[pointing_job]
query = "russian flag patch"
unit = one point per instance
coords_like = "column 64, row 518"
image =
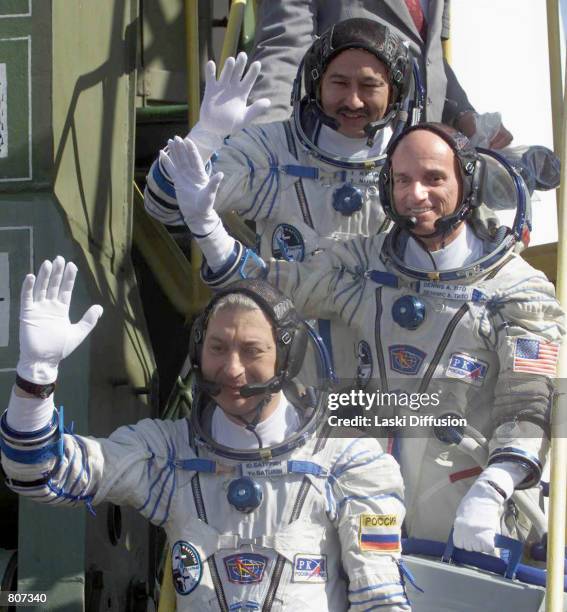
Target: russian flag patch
column 379, row 533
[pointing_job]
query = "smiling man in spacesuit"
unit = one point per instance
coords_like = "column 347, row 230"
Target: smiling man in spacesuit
column 311, row 181
column 261, row 508
column 445, row 305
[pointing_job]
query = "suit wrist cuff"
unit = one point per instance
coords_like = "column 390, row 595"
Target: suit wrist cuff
column 29, row 414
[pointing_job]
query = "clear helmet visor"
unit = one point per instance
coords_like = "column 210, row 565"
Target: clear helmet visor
column 318, row 133
column 505, row 197
column 502, row 220
column 307, row 392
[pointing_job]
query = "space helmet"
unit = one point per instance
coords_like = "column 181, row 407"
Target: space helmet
column 302, row 372
column 489, row 184
column 405, row 104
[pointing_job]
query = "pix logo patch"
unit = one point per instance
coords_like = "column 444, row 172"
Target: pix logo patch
column 467, row 369
column 309, row 568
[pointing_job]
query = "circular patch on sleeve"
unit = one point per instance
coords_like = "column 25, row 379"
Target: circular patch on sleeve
column 288, row 243
column 187, row 567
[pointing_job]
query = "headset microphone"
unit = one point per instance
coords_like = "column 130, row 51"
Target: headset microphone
column 273, row 385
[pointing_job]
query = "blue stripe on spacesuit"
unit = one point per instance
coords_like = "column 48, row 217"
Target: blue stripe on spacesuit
column 404, row 602
column 150, row 460
column 162, row 182
column 249, row 163
column 350, row 445
column 149, row 496
column 338, row 295
column 358, row 288
column 170, row 467
column 30, row 457
column 295, row 466
column 168, row 506
column 373, row 587
column 68, row 470
column 324, row 326
column 354, row 250
column 354, row 287
column 161, row 202
column 84, row 467
column 351, row 466
column 273, row 175
column 309, row 172
column 246, row 211
column 348, row 498
column 40, row 434
column 396, row 447
column 58, row 491
column 381, row 598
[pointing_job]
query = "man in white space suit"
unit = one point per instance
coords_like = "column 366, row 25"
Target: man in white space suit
column 312, row 181
column 444, row 305
column 261, row 508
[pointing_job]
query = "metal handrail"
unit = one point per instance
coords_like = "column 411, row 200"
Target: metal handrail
column 230, row 45
column 558, row 480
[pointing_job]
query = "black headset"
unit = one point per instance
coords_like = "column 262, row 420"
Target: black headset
column 471, row 167
column 290, row 331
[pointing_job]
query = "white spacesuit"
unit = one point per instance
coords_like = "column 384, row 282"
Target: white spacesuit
column 476, row 337
column 250, row 528
column 306, row 185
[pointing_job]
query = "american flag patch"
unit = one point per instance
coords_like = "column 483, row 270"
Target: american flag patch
column 535, row 357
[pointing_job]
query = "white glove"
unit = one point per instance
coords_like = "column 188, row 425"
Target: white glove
column 478, row 516
column 224, row 109
column 196, row 192
column 46, row 334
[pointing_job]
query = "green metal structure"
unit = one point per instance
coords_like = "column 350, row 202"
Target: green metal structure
column 67, row 114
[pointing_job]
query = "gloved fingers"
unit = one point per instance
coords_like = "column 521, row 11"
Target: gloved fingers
column 26, row 296
column 42, row 281
column 67, row 283
column 484, row 542
column 187, row 161
column 250, row 77
column 257, row 109
column 57, row 268
column 167, row 164
column 226, row 72
column 239, row 67
column 214, row 184
column 81, row 329
column 210, row 75
column 473, row 539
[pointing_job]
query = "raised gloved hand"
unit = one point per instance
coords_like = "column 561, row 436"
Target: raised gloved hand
column 46, row 334
column 224, row 110
column 194, row 189
column 196, row 192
